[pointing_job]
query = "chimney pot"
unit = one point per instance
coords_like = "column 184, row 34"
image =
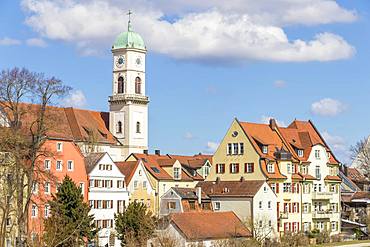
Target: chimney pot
column 273, row 124
column 157, row 152
column 146, row 151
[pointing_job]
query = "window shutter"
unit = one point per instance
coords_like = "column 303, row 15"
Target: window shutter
column 252, row 167
column 290, row 226
column 290, row 207
column 297, row 207
column 292, row 187
column 245, row 167
column 277, row 188
column 277, row 208
column 237, row 168
column 230, row 167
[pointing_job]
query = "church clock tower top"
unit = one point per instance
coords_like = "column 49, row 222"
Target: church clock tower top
column 129, row 39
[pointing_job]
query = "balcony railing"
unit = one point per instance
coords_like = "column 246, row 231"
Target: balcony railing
column 322, row 195
column 322, row 214
column 129, row 97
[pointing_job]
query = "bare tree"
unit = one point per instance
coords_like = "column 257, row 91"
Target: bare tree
column 360, row 154
column 25, row 132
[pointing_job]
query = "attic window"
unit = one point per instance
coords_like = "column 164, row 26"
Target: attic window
column 300, row 152
column 264, row 149
column 154, row 169
column 87, row 130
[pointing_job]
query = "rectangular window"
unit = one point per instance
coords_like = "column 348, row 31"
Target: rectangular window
column 234, row 168
column 317, row 154
column 82, row 188
column 300, row 153
column 264, row 149
column 47, row 188
column 70, row 165
column 334, row 226
column 135, row 184
column 287, row 188
column 260, row 205
column 59, row 147
column 293, row 168
column 176, row 173
column 229, row 150
column 192, row 205
column 144, row 185
column 288, row 166
column 35, row 187
column 220, row 168
column 91, row 183
column 241, row 148
column 47, row 164
column 236, row 148
column 317, row 172
column 59, row 165
column 46, row 210
column 34, row 210
column 217, row 206
column 269, row 205
column 270, row 168
column 249, row 167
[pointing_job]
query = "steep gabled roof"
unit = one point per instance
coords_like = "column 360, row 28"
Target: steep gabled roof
column 189, row 193
column 91, row 160
column 195, row 161
column 206, row 225
column 128, row 169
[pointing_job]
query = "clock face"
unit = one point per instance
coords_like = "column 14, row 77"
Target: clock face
column 120, row 61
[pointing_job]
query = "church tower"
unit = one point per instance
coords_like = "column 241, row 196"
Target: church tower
column 128, row 119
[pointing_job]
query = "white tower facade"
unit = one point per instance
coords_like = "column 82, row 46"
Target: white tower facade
column 129, row 103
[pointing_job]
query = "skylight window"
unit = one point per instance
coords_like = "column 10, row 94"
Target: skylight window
column 155, row 169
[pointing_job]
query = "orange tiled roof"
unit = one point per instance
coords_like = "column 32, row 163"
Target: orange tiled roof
column 361, row 195
column 333, row 178
column 70, row 123
column 355, row 175
column 196, row 161
column 307, row 176
column 154, row 164
column 275, row 175
column 206, row 225
column 128, row 169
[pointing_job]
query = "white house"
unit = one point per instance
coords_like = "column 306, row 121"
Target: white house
column 253, row 201
column 107, row 194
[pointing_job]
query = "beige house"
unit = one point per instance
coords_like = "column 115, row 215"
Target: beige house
column 165, row 172
column 297, row 164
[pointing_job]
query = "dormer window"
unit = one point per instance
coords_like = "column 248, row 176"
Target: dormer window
column 176, row 173
column 264, row 149
column 270, row 168
column 300, row 152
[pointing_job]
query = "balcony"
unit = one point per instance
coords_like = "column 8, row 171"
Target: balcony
column 129, row 97
column 322, row 195
column 322, row 215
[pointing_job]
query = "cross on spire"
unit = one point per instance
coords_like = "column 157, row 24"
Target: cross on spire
column 129, row 20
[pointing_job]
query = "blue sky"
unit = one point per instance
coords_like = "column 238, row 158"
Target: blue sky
column 196, row 91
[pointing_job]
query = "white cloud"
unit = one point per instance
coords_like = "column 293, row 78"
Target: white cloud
column 189, row 136
column 247, row 30
column 212, row 146
column 9, row 41
column 279, row 84
column 75, row 99
column 36, row 42
column 338, row 146
column 328, row 107
column 266, row 120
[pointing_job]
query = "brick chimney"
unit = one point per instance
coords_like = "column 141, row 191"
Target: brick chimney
column 273, row 124
column 157, row 152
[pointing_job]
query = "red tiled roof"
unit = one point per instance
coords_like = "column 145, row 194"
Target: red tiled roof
column 196, row 161
column 361, row 195
column 307, row 176
column 70, row 123
column 333, row 178
column 128, row 169
column 275, row 175
column 355, row 175
column 206, row 225
column 246, row 188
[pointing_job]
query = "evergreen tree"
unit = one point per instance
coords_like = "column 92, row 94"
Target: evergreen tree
column 70, row 223
column 136, row 225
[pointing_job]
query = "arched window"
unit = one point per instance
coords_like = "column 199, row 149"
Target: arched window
column 138, row 127
column 138, row 85
column 120, row 85
column 119, row 127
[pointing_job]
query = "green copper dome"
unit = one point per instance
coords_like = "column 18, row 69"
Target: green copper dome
column 129, row 39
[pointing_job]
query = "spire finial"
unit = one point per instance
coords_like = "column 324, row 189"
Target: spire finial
column 129, row 20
